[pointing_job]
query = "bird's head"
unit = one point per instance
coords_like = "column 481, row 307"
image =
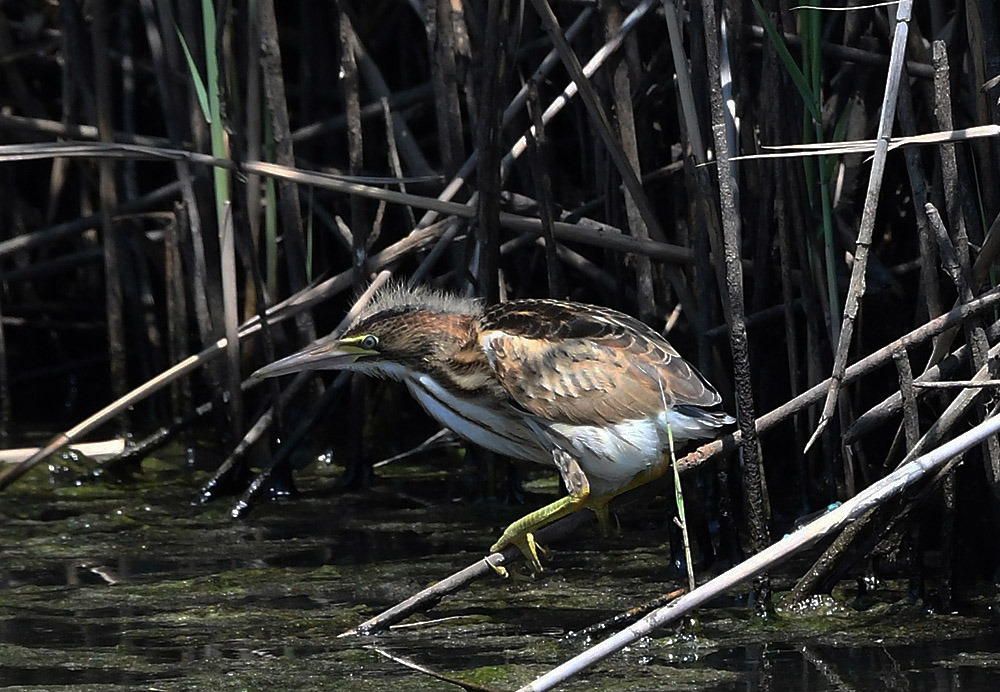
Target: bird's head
column 403, row 331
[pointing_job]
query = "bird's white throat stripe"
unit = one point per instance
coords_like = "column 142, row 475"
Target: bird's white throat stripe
column 477, row 421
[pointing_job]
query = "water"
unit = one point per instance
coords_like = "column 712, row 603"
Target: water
column 125, row 587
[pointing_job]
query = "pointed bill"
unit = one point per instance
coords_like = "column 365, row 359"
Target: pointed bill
column 321, row 355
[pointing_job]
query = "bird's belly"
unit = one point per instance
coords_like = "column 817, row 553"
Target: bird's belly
column 612, row 455
column 479, row 422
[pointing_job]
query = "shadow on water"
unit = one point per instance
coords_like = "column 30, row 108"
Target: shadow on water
column 135, row 587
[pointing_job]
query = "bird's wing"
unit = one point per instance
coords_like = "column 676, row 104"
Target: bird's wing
column 586, row 366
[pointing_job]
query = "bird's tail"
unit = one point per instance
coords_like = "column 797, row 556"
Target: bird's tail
column 695, row 423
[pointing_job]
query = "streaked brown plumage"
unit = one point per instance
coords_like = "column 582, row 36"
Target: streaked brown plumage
column 585, row 388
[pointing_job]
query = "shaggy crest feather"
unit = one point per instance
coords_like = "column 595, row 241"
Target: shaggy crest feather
column 399, row 296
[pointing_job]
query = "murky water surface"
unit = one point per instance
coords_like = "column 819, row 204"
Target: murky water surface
column 126, row 587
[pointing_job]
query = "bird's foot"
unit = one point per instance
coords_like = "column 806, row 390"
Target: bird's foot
column 521, row 532
column 525, row 542
column 604, row 524
column 499, row 569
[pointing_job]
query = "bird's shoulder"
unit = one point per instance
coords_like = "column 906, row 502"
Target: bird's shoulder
column 585, row 364
column 540, row 318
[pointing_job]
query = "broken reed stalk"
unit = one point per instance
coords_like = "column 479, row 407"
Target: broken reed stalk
column 430, row 596
column 837, row 557
column 911, row 419
column 888, row 407
column 868, row 499
column 856, row 288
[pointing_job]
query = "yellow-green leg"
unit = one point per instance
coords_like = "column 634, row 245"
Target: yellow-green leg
column 521, row 532
column 599, row 503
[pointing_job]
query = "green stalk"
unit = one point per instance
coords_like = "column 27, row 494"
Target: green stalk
column 219, row 148
column 812, row 58
column 681, row 516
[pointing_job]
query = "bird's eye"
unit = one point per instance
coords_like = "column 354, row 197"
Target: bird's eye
column 370, row 342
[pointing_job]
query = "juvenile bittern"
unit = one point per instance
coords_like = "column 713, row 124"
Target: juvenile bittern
column 585, row 388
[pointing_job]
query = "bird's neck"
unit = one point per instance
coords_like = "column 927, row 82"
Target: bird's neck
column 458, row 362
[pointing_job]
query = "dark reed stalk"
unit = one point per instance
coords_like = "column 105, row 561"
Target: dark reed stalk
column 6, row 409
column 753, row 482
column 176, row 310
column 918, row 185
column 539, row 163
column 291, row 216
column 439, row 27
column 319, row 409
column 113, row 256
column 911, row 419
column 359, row 470
column 974, row 333
column 625, row 121
column 377, row 87
column 226, row 478
column 490, row 121
column 982, row 23
column 258, row 292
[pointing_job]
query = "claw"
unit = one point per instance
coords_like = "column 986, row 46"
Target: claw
column 603, row 520
column 499, row 569
column 525, row 542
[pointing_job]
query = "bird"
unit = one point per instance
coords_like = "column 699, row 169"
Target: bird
column 592, row 391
